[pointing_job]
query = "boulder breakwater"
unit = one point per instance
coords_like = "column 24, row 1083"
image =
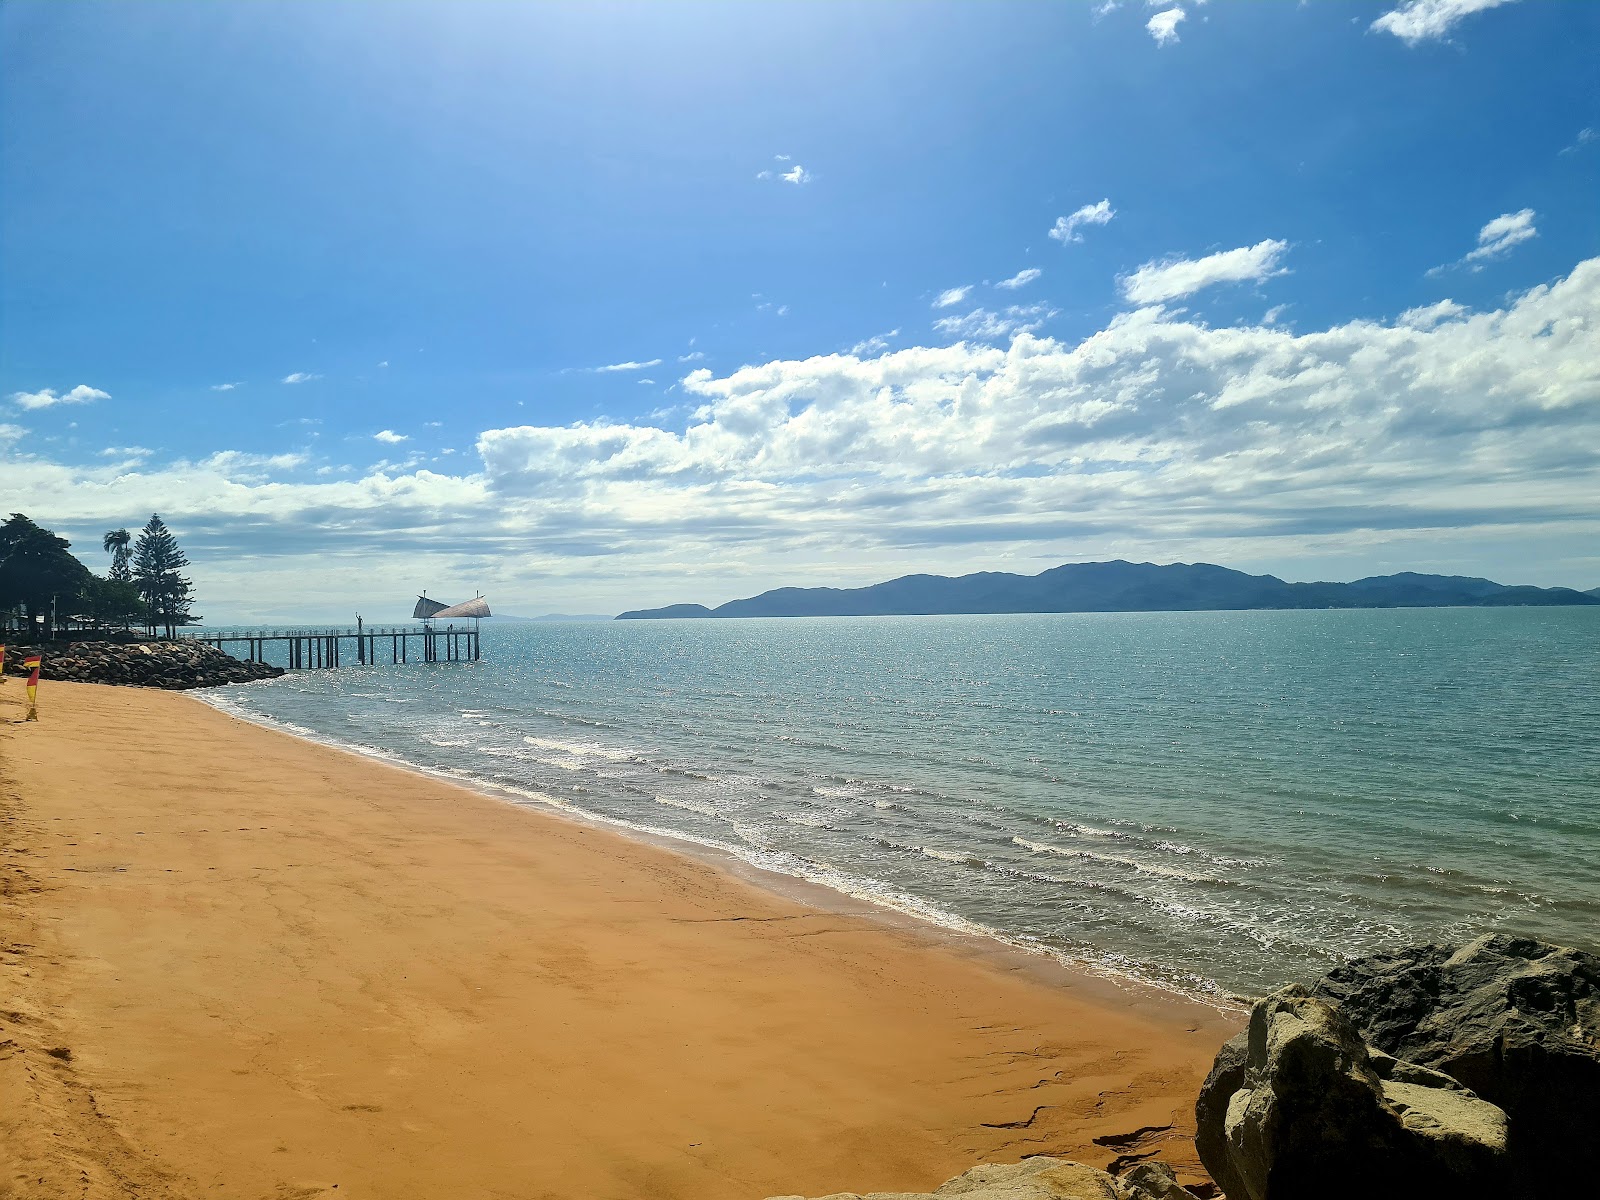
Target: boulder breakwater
column 176, row 666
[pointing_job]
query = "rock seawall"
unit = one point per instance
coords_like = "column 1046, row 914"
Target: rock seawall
column 176, row 666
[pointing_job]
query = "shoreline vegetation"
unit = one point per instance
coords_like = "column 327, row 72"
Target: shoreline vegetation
column 45, row 590
column 276, row 965
column 1120, row 587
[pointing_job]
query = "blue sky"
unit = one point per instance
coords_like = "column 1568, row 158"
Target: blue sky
column 336, row 287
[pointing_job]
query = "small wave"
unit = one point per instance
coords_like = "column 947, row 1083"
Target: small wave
column 694, row 806
column 965, row 858
column 1132, row 863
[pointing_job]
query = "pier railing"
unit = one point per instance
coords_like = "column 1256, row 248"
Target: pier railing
column 326, row 647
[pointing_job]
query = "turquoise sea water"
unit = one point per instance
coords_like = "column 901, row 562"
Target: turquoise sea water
column 1215, row 801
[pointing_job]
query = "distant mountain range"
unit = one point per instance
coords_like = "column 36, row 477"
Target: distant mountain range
column 1121, row 587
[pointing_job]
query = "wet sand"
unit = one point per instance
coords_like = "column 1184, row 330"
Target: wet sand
column 234, row 963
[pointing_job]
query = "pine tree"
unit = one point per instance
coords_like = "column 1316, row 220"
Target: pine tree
column 157, row 563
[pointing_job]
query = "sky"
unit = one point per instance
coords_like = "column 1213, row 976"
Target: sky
column 600, row 306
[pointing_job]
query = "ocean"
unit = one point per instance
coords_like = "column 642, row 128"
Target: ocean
column 1214, row 802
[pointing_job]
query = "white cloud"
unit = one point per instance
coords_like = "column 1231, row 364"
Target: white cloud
column 223, row 387
column 1502, row 233
column 384, row 363
column 1585, row 136
column 951, row 296
column 11, row 433
column 782, row 157
column 1157, row 436
column 692, row 356
column 390, row 437
column 1274, row 314
column 1424, row 20
column 127, row 453
column 876, row 344
column 1174, row 278
column 49, row 398
column 1495, row 240
column 300, row 377
column 1164, row 25
column 984, row 326
column 627, row 366
column 1066, row 228
column 797, row 175
column 1021, row 278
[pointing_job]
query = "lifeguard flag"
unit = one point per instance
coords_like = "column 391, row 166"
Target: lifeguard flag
column 31, row 662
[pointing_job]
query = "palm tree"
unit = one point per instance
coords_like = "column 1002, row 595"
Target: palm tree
column 117, row 542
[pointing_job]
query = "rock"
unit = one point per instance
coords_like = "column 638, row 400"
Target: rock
column 1040, row 1179
column 172, row 665
column 1211, row 1110
column 1315, row 1114
column 1514, row 1019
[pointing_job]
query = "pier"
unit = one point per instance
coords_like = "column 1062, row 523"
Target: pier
column 313, row 649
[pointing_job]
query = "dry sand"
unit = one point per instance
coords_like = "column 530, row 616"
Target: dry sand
column 238, row 964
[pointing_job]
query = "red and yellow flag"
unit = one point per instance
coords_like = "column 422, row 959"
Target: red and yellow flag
column 31, row 662
column 2, row 662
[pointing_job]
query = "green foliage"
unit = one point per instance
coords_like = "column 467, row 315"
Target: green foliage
column 38, row 574
column 116, row 544
column 157, row 574
column 111, row 601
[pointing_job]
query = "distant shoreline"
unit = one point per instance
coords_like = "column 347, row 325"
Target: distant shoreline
column 1121, row 586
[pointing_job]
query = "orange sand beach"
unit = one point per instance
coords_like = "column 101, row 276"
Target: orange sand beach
column 234, row 963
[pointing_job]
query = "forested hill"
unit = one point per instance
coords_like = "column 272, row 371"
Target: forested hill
column 1121, row 587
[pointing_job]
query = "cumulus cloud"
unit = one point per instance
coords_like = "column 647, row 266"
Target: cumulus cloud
column 11, row 433
column 49, row 397
column 1066, row 228
column 390, row 437
column 1157, row 432
column 1164, row 25
column 951, row 296
column 797, row 175
column 1021, row 279
column 1428, row 20
column 1174, row 278
column 300, row 377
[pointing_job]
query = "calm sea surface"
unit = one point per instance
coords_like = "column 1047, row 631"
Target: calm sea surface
column 1209, row 800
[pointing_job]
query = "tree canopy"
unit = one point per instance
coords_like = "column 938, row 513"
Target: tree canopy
column 38, row 573
column 157, row 572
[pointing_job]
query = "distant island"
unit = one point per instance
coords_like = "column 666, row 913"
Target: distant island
column 1121, row 587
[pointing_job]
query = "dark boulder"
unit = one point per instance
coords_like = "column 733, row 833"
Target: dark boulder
column 1514, row 1019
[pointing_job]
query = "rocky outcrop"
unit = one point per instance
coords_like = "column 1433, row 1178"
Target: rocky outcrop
column 1041, row 1179
column 1516, row 1020
column 1317, row 1113
column 172, row 665
column 1467, row 1072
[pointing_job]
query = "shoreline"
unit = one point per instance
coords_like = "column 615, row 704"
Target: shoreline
column 239, row 959
column 1053, row 966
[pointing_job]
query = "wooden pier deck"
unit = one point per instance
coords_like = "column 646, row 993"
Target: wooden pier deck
column 314, row 649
